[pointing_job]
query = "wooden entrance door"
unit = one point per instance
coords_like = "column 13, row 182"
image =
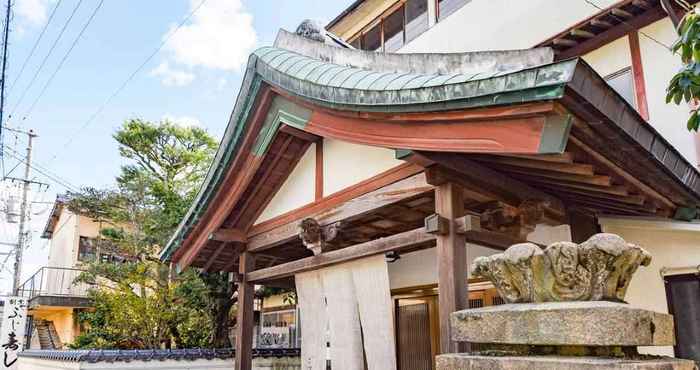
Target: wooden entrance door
column 683, row 294
column 417, row 332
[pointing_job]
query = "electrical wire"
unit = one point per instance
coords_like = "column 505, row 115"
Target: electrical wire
column 36, row 44
column 667, row 47
column 63, row 61
column 41, row 167
column 126, row 82
column 46, row 58
column 57, row 180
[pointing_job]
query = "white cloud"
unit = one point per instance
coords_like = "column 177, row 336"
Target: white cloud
column 33, row 11
column 172, row 77
column 183, row 120
column 219, row 36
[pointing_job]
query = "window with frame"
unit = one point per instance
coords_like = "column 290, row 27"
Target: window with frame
column 395, row 28
column 87, row 249
column 623, row 83
column 278, row 329
column 446, row 7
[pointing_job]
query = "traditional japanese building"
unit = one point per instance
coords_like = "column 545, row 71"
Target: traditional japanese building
column 369, row 181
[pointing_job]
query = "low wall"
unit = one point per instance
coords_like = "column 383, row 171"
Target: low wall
column 273, row 359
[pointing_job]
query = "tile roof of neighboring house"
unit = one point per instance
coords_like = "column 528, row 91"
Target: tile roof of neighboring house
column 94, row 356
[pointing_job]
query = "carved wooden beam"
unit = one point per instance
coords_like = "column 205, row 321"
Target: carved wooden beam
column 315, row 237
column 229, row 235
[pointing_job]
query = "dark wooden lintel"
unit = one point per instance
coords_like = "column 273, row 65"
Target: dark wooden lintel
column 408, row 239
column 229, row 235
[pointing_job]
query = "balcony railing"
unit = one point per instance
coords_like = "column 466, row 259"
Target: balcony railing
column 53, row 281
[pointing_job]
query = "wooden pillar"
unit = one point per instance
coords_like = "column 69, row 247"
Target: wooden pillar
column 452, row 262
column 582, row 226
column 244, row 328
column 640, row 90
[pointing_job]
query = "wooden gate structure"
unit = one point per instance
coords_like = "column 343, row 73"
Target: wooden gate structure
column 488, row 154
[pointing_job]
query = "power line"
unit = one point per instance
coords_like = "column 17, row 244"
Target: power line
column 128, row 79
column 5, row 46
column 667, row 47
column 36, row 44
column 46, row 58
column 63, row 60
column 45, row 172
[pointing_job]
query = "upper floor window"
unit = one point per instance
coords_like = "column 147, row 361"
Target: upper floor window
column 90, row 248
column 622, row 82
column 447, row 7
column 87, row 249
column 401, row 24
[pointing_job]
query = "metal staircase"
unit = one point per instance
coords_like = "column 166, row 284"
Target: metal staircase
column 48, row 336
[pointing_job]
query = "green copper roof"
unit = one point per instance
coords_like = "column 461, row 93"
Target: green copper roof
column 391, row 89
column 345, row 86
column 351, row 88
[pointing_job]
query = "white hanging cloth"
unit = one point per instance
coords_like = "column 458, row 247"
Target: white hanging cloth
column 350, row 302
column 312, row 312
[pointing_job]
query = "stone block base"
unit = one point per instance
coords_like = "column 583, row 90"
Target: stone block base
column 475, row 362
column 563, row 324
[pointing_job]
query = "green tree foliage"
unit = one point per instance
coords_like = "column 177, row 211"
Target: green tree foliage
column 138, row 304
column 685, row 85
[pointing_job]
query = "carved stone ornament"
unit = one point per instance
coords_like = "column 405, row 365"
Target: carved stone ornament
column 597, row 269
column 312, row 29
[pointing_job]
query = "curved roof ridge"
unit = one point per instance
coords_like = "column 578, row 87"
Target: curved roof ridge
column 419, row 63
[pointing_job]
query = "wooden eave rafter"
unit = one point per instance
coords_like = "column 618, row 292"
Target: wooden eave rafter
column 608, row 25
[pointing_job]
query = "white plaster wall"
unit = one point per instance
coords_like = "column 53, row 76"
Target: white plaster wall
column 659, row 66
column 346, row 164
column 671, row 244
column 511, row 25
column 64, row 242
column 611, row 57
column 297, row 191
column 420, row 268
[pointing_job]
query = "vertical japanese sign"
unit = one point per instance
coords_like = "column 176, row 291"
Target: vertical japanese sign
column 14, row 319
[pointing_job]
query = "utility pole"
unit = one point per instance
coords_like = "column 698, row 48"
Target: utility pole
column 24, row 210
column 5, row 36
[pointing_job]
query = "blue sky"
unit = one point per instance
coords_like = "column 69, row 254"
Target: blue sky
column 193, row 79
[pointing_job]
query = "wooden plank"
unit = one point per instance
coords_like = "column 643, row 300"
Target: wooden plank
column 572, row 168
column 491, row 239
column 559, row 158
column 555, row 183
column 621, row 173
column 480, row 175
column 582, row 33
column 318, row 191
column 245, row 315
column 613, row 33
column 388, row 188
column 236, row 179
column 229, row 235
column 640, row 89
column 408, row 239
column 213, row 257
column 637, row 200
column 293, row 131
column 451, row 254
column 599, row 180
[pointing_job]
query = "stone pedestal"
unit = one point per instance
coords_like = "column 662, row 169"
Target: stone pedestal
column 476, row 362
column 561, row 336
